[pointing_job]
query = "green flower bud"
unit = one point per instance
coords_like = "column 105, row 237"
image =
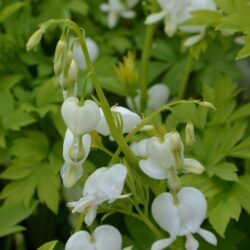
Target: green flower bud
column 35, row 39
column 60, row 52
column 189, row 134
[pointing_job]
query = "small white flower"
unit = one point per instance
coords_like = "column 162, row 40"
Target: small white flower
column 78, row 55
column 104, row 237
column 105, row 184
column 80, row 119
column 182, row 219
column 175, row 12
column 158, row 95
column 162, row 157
column 75, row 153
column 124, row 118
column 118, row 8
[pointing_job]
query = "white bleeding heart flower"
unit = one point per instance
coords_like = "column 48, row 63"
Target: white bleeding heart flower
column 127, row 119
column 80, row 119
column 158, row 95
column 105, row 184
column 75, row 152
column 175, row 12
column 104, row 237
column 118, row 8
column 78, row 55
column 181, row 219
column 161, row 157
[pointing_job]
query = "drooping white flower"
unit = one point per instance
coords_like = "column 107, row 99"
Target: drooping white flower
column 182, row 219
column 160, row 157
column 124, row 118
column 75, row 152
column 118, row 8
column 158, row 95
column 175, row 12
column 105, row 184
column 80, row 119
column 104, row 237
column 78, row 55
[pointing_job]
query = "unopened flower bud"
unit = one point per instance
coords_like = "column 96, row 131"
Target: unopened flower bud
column 35, row 39
column 193, row 166
column 175, row 142
column 208, row 105
column 60, row 51
column 189, row 134
column 73, row 72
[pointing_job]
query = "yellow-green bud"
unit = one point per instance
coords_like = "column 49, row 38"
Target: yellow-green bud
column 35, row 39
column 72, row 73
column 189, row 134
column 60, row 52
column 175, row 142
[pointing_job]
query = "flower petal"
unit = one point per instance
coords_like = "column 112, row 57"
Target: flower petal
column 158, row 95
column 153, row 18
column 153, row 169
column 162, row 244
column 192, row 209
column 107, row 238
column 129, row 118
column 192, row 40
column 79, row 240
column 112, row 182
column 208, row 236
column 91, row 214
column 166, row 214
column 139, row 149
column 71, row 174
column 191, row 242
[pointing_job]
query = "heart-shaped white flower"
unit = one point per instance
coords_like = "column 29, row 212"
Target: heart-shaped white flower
column 181, row 219
column 80, row 119
column 128, row 120
column 105, row 184
column 104, row 237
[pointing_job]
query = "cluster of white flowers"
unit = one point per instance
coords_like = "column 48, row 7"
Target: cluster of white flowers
column 118, row 8
column 175, row 12
column 181, row 212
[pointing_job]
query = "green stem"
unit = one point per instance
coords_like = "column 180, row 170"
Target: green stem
column 79, row 222
column 147, row 119
column 145, row 60
column 103, row 101
column 184, row 82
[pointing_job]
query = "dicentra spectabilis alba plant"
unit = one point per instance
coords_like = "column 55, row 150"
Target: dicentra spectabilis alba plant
column 178, row 210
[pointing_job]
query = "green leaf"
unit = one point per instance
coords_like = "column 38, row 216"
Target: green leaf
column 241, row 191
column 224, row 170
column 242, row 112
column 137, row 231
column 8, row 81
column 11, row 215
column 245, row 51
column 242, row 150
column 223, row 207
column 10, row 10
column 34, row 145
column 52, row 245
column 48, row 185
